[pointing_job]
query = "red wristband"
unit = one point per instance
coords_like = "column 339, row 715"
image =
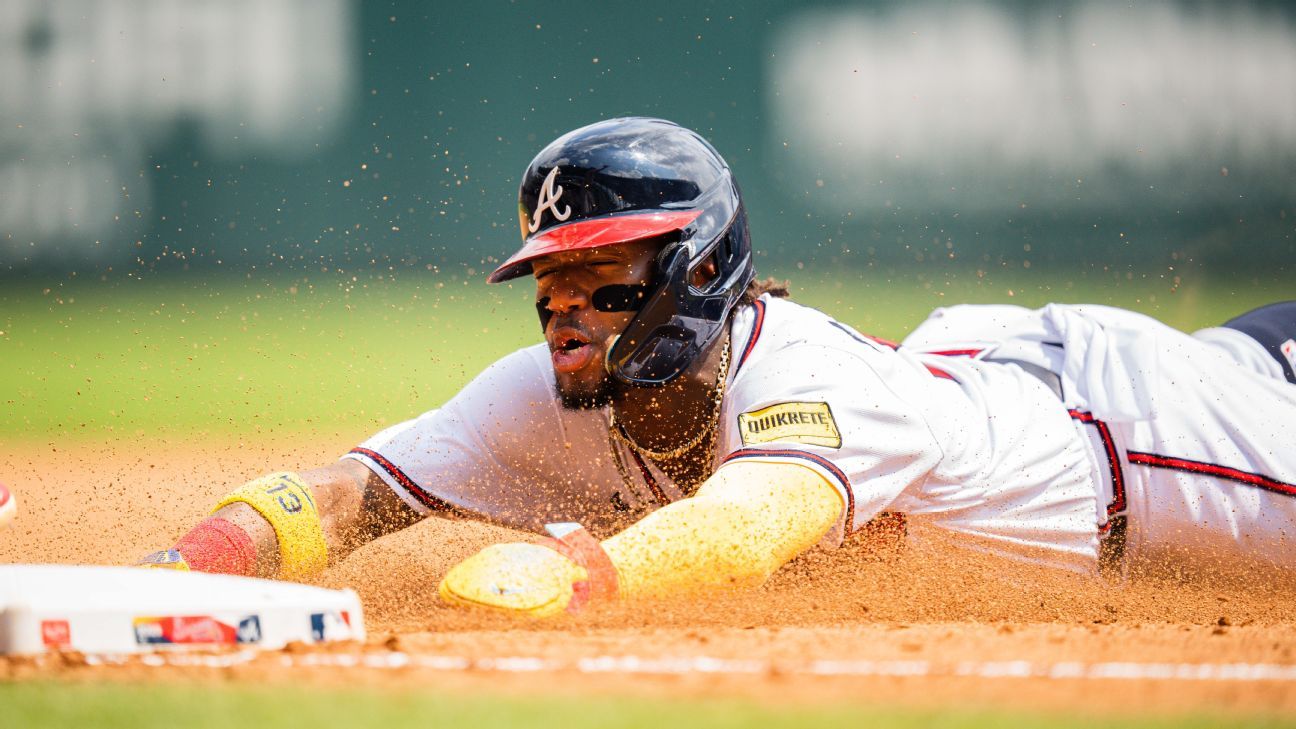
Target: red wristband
column 572, row 541
column 216, row 545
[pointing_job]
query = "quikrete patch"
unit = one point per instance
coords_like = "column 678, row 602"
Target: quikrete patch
column 796, row 422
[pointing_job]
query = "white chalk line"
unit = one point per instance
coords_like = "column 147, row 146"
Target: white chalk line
column 705, row 665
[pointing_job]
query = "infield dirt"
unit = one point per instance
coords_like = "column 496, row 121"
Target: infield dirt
column 109, row 503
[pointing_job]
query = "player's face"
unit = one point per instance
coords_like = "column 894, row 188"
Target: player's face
column 578, row 335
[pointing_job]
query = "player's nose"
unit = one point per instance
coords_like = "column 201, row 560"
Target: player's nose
column 566, row 297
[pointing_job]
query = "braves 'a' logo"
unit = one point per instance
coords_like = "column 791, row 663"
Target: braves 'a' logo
column 548, row 200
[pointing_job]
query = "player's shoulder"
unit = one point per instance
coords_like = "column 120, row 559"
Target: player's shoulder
column 524, row 375
column 526, row 360
column 773, row 326
column 781, row 348
column 773, row 321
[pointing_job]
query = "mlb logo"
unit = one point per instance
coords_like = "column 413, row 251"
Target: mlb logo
column 1289, row 351
column 331, row 625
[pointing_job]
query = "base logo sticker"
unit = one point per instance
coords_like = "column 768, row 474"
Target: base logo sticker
column 56, row 633
column 331, row 625
column 791, row 422
column 196, row 629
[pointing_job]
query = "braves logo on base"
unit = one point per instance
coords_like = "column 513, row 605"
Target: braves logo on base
column 8, row 506
column 191, row 629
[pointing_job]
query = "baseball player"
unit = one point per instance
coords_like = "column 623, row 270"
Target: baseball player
column 686, row 427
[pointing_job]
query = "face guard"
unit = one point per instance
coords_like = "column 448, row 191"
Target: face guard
column 630, row 179
column 678, row 322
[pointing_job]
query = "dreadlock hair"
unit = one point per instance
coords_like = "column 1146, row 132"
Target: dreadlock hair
column 768, row 285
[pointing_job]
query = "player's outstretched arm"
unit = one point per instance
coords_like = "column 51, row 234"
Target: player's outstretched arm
column 744, row 523
column 290, row 524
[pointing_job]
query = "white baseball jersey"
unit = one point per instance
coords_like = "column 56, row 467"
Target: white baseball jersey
column 1195, row 435
column 982, row 452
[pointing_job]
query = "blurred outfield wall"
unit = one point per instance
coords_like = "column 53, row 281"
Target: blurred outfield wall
column 299, row 135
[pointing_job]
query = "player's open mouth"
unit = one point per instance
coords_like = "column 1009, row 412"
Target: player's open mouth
column 570, row 351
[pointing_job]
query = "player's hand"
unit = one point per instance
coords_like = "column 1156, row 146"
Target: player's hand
column 528, row 579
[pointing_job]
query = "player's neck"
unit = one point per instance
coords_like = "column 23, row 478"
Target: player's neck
column 662, row 418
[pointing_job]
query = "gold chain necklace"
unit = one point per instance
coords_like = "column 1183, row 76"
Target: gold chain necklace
column 618, row 431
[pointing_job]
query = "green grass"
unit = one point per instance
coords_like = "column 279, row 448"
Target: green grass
column 130, row 358
column 286, row 706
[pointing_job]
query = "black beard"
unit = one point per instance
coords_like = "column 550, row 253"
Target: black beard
column 601, row 396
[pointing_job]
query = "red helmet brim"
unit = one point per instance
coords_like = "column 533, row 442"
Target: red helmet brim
column 594, row 233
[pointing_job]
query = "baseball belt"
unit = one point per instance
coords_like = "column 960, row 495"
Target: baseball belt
column 1111, row 542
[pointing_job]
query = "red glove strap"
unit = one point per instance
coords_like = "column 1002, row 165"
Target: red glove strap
column 216, row 545
column 574, row 543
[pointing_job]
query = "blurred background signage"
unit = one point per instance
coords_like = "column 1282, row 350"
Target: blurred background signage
column 306, row 134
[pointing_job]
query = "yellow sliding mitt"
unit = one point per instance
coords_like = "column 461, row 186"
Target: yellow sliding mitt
column 560, row 575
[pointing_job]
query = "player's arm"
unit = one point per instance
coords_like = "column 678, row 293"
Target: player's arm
column 291, row 524
column 744, row 523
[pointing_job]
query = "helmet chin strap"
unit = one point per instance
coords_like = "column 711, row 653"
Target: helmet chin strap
column 607, row 354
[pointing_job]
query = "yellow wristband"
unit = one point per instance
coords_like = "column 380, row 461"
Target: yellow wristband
column 286, row 502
